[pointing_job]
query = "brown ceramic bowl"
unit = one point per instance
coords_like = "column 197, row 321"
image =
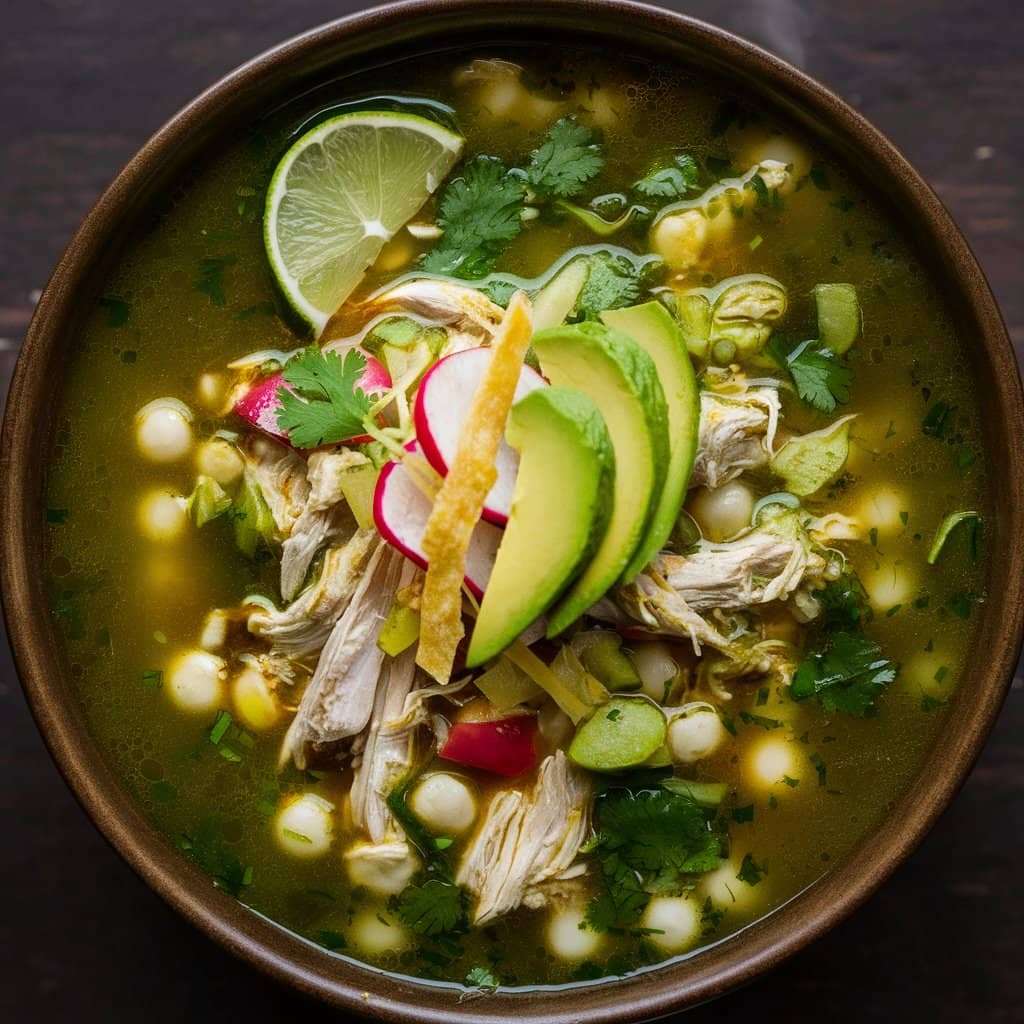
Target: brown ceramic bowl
column 28, row 430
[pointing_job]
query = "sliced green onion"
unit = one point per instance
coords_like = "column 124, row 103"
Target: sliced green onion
column 781, row 498
column 948, row 525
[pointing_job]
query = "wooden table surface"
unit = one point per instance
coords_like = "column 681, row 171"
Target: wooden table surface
column 84, row 83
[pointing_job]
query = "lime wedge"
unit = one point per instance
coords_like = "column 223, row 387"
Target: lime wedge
column 339, row 193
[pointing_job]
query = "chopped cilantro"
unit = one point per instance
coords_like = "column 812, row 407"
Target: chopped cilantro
column 873, row 536
column 565, row 161
column 207, row 848
column 844, row 602
column 939, row 422
column 500, row 291
column 443, row 842
column 790, row 781
column 323, row 403
column 820, row 380
column 893, row 611
column 119, row 311
column 820, row 767
column 331, row 940
column 940, row 673
column 433, row 908
column 481, row 977
column 210, row 279
column 747, row 718
column 846, row 675
column 229, row 755
column 152, row 678
column 646, row 840
column 750, row 871
column 710, row 918
column 57, row 515
column 672, row 182
column 743, row 814
column 819, row 175
column 930, row 703
column 480, row 214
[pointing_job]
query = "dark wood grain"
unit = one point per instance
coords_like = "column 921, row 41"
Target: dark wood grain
column 85, row 82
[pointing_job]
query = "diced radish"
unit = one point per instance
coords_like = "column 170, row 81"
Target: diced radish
column 442, row 404
column 260, row 403
column 505, row 747
column 401, row 510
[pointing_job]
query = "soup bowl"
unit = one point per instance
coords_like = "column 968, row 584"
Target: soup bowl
column 366, row 40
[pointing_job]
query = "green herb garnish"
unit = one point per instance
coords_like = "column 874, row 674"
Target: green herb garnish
column 820, row 380
column 565, row 161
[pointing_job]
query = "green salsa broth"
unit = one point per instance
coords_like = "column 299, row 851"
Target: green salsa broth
column 198, row 284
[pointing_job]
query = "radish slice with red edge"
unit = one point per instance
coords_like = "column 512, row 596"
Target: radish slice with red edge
column 505, row 746
column 400, row 513
column 259, row 405
column 442, row 405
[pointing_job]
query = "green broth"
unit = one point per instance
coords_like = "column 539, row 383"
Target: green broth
column 199, row 294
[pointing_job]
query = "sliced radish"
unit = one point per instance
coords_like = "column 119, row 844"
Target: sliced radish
column 507, row 746
column 260, row 403
column 442, row 405
column 401, row 510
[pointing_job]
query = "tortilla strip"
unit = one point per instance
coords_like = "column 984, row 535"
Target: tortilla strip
column 461, row 498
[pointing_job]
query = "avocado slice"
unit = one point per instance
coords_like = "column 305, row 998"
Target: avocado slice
column 652, row 327
column 623, row 380
column 560, row 508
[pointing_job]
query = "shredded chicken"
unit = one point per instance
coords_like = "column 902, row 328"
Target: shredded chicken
column 339, row 698
column 324, row 518
column 468, row 315
column 281, row 475
column 767, row 563
column 774, row 562
column 301, row 629
column 737, row 432
column 527, row 837
column 386, row 755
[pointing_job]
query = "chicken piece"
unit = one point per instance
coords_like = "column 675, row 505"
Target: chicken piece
column 469, row 317
column 527, row 837
column 301, row 629
column 339, row 698
column 324, row 519
column 281, row 475
column 386, row 755
column 767, row 563
column 737, row 432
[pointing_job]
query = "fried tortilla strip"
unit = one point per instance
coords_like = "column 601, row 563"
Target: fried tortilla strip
column 461, row 498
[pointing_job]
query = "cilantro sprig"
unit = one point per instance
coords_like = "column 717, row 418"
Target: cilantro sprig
column 820, row 379
column 675, row 181
column 480, row 212
column 566, row 161
column 322, row 402
column 647, row 841
column 846, row 671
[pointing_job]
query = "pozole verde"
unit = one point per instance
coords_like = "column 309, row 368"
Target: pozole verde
column 719, row 576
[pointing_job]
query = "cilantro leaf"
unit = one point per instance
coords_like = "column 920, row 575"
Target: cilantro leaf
column 844, row 602
column 750, row 871
column 480, row 212
column 820, row 379
column 323, row 403
column 565, row 161
column 847, row 675
column 672, row 182
column 481, row 977
column 433, row 908
column 647, row 842
column 614, row 280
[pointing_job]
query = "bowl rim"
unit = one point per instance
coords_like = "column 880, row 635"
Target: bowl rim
column 655, row 991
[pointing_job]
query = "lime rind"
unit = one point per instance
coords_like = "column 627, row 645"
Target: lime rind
column 339, row 193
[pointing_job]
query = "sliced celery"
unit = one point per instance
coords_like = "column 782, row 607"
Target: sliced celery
column 600, row 651
column 621, row 734
column 505, row 685
column 839, row 316
column 357, row 485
